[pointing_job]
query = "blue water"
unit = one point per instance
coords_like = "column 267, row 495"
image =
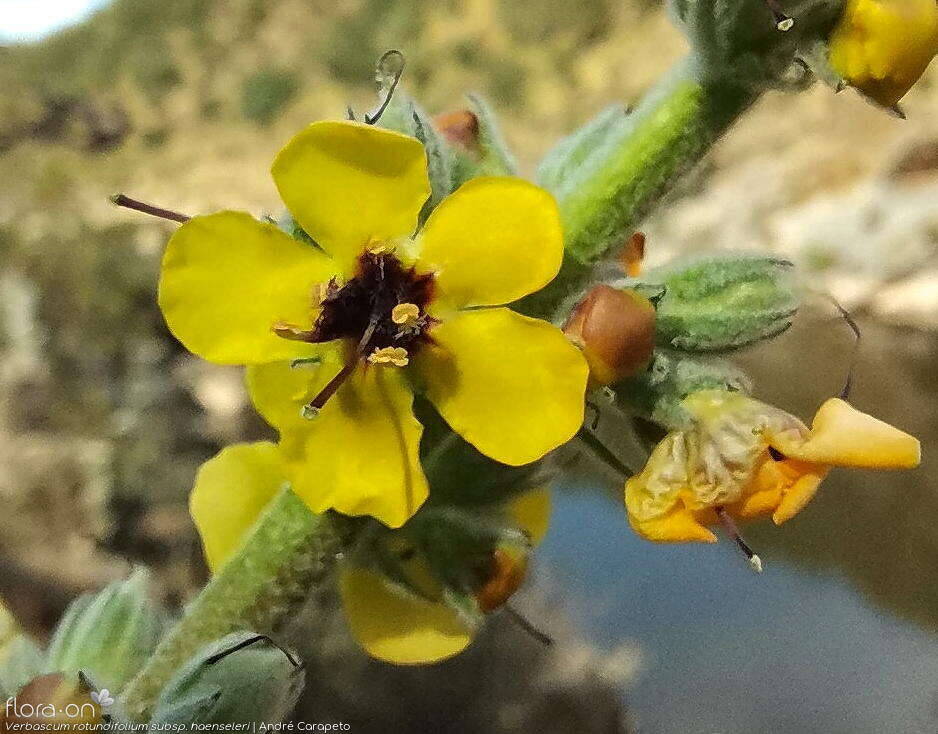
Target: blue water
column 725, row 650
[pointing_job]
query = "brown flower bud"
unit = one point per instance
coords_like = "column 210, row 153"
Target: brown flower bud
column 459, row 128
column 55, row 702
column 503, row 577
column 631, row 255
column 616, row 331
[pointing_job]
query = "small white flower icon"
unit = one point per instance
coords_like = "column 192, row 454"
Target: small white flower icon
column 102, row 698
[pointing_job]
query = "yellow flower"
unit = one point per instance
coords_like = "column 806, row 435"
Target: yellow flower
column 375, row 310
column 752, row 459
column 406, row 621
column 882, row 47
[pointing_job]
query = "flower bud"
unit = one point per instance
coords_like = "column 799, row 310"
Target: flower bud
column 241, row 678
column 616, row 331
column 503, row 576
column 53, row 702
column 723, row 302
column 882, row 47
column 475, row 143
column 460, row 129
column 109, row 635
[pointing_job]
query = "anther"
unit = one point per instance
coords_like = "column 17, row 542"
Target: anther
column 292, row 332
column 390, row 355
column 733, row 532
column 405, row 314
column 322, row 291
column 382, row 248
column 782, row 22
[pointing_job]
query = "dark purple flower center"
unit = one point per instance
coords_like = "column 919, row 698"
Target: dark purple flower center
column 363, row 308
column 381, row 312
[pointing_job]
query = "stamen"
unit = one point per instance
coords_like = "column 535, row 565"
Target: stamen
column 322, row 291
column 382, row 248
column 782, row 22
column 405, row 314
column 292, row 332
column 390, row 355
column 153, row 211
column 515, row 616
column 360, row 310
column 733, row 532
column 314, row 406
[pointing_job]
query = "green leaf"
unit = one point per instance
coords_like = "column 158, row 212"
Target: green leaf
column 657, row 393
column 405, row 116
column 567, row 155
column 722, row 302
column 241, row 678
column 110, row 634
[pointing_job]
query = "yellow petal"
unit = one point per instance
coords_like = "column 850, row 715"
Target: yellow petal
column 360, row 454
column 882, row 47
column 230, row 492
column 678, row 526
column 757, row 504
column 492, row 241
column 531, row 511
column 396, row 627
column 279, row 390
column 843, row 436
column 351, row 185
column 227, row 278
column 768, row 484
column 655, row 499
column 798, row 495
column 511, row 386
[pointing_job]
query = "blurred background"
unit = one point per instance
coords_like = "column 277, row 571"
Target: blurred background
column 104, row 418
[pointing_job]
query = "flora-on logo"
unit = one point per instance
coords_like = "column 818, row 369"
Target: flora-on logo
column 102, row 698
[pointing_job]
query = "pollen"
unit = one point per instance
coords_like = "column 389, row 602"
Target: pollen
column 382, row 248
column 322, row 291
column 405, row 314
column 389, row 355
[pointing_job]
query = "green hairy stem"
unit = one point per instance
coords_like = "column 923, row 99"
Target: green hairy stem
column 259, row 589
column 604, row 196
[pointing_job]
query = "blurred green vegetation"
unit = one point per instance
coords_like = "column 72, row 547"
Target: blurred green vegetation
column 249, row 57
column 265, row 93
